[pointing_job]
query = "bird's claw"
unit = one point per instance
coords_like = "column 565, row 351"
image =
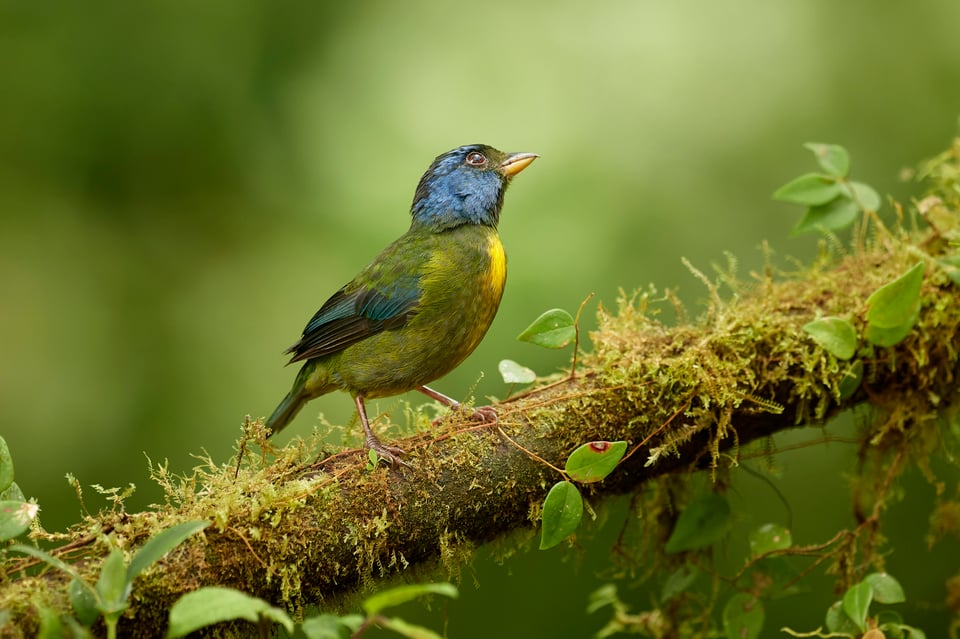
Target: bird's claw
column 390, row 454
column 485, row 414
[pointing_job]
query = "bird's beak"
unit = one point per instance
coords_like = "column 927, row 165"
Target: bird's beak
column 515, row 163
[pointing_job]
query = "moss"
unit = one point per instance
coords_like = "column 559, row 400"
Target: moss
column 297, row 531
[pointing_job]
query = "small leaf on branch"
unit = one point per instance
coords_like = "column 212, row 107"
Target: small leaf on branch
column 553, row 329
column 112, row 585
column 402, row 594
column 893, row 304
column 811, row 189
column 83, row 599
column 835, row 215
column 832, row 158
column 865, row 196
column 837, row 336
column 162, row 543
column 593, row 461
column 769, row 537
column 850, row 382
column 886, row 589
column 514, row 373
column 329, row 626
column 6, row 466
column 839, row 621
column 856, row 603
column 215, row 604
column 743, row 617
column 15, row 518
column 562, row 511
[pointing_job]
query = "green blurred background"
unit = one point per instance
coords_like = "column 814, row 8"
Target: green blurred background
column 182, row 184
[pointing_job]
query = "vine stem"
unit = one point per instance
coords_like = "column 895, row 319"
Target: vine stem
column 576, row 334
column 657, row 430
column 531, row 454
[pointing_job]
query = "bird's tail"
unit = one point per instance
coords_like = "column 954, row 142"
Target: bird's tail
column 304, row 389
column 286, row 411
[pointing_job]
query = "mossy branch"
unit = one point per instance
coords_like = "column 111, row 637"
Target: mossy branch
column 296, row 532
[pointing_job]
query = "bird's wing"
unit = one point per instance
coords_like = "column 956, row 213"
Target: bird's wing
column 354, row 313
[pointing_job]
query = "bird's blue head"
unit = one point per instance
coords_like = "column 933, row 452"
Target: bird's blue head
column 465, row 186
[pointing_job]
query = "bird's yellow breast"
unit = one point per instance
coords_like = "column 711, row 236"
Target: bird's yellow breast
column 497, row 271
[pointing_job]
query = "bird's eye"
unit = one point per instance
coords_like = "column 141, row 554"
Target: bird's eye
column 475, row 158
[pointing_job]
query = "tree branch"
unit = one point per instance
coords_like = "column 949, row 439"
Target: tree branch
column 297, row 532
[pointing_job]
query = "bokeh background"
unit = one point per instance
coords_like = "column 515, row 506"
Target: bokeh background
column 183, row 184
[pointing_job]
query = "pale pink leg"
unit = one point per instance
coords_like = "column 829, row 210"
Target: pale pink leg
column 481, row 413
column 389, row 453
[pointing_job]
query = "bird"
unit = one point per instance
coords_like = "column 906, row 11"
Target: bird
column 422, row 305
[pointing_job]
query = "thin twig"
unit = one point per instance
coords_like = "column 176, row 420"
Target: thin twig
column 658, row 429
column 252, row 551
column 576, row 334
column 530, row 453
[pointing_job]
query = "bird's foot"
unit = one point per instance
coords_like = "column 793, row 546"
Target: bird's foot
column 485, row 414
column 390, row 454
column 482, row 414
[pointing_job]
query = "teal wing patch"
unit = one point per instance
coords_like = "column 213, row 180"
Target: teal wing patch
column 348, row 317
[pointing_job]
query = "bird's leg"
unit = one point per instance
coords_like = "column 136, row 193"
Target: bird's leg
column 481, row 413
column 389, row 453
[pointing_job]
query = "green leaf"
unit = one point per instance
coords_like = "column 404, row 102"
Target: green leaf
column 913, row 633
column 215, row 604
column 112, row 586
column 865, row 196
column 886, row 589
column 76, row 630
column 773, row 576
column 12, row 493
column 835, row 215
column 894, row 303
column 811, row 189
column 890, row 336
column 887, row 617
column 605, row 595
column 679, row 581
column 594, row 461
column 6, row 466
column 15, row 518
column 409, row 630
column 83, row 598
column 50, row 625
column 856, row 603
column 46, row 558
column 327, row 626
column 701, row 523
column 160, row 544
column 835, row 335
column 402, row 594
column 769, row 537
column 852, row 377
column 514, row 373
column 838, row 621
column 832, row 158
column 553, row 329
column 562, row 511
column 743, row 617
